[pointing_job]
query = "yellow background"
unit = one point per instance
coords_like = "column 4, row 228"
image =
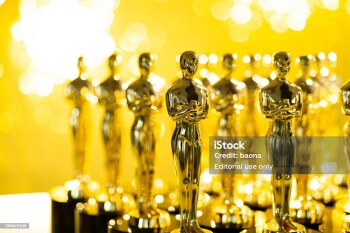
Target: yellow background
column 35, row 144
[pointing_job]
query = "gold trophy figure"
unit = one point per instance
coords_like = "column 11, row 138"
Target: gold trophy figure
column 252, row 121
column 81, row 188
column 304, row 210
column 281, row 102
column 187, row 104
column 251, row 80
column 227, row 97
column 77, row 92
column 111, row 96
column 328, row 115
column 144, row 99
column 95, row 213
column 345, row 102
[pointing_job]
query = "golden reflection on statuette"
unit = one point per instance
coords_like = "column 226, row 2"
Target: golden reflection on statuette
column 111, row 95
column 144, row 99
column 227, row 98
column 77, row 92
column 303, row 209
column 345, row 102
column 281, row 102
column 187, row 104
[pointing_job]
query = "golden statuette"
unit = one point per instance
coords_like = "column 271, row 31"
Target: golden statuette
column 144, row 99
column 251, row 81
column 227, row 98
column 253, row 124
column 77, row 92
column 281, row 102
column 345, row 101
column 346, row 224
column 187, row 104
column 303, row 209
column 111, row 96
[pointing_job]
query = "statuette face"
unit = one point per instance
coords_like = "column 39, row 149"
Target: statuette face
column 147, row 62
column 189, row 63
column 282, row 63
column 229, row 61
column 115, row 60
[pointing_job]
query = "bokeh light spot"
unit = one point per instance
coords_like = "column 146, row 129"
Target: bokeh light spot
column 278, row 23
column 256, row 21
column 55, row 33
column 295, row 21
column 221, row 10
column 347, row 6
column 331, row 4
column 241, row 13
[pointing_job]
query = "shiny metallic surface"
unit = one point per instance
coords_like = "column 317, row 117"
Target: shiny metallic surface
column 303, row 209
column 346, row 224
column 345, row 102
column 227, row 98
column 281, row 102
column 159, row 220
column 187, row 104
column 261, row 195
column 253, row 87
column 110, row 95
column 76, row 92
column 144, row 99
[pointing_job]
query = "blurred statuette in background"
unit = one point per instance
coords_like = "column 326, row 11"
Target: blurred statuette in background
column 78, row 92
column 227, row 98
column 144, row 99
column 304, row 210
column 95, row 214
column 345, row 101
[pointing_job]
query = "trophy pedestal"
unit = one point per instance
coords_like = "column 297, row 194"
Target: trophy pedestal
column 258, row 200
column 257, row 192
column 274, row 227
column 91, row 218
column 89, row 223
column 194, row 228
column 327, row 193
column 154, row 219
column 343, row 205
column 307, row 212
column 202, row 230
column 346, row 224
column 260, row 229
column 170, row 203
column 122, row 225
column 94, row 216
column 62, row 210
column 221, row 217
